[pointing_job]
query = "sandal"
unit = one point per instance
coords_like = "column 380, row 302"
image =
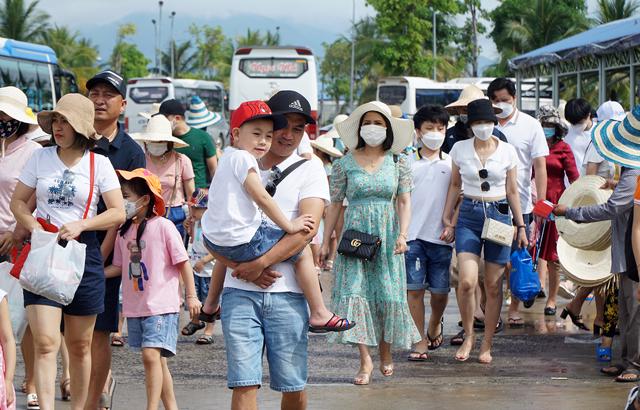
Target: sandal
column 335, row 324
column 575, row 319
column 32, row 402
column 209, row 317
column 515, row 322
column 191, row 328
column 117, row 341
column 613, row 371
column 386, row 370
column 328, row 265
column 603, row 354
column 499, row 326
column 478, row 324
column 549, row 311
column 437, row 341
column 629, row 372
column 458, row 339
column 65, row 390
column 106, row 399
column 633, row 396
column 416, row 356
column 362, row 378
column 205, row 340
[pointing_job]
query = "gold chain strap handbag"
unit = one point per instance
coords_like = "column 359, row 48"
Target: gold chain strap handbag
column 359, row 245
column 495, row 231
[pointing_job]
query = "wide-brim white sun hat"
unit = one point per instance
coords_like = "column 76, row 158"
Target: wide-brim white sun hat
column 333, row 133
column 594, row 236
column 349, row 129
column 155, row 107
column 619, row 141
column 158, row 129
column 585, row 268
column 198, row 116
column 15, row 104
column 325, row 144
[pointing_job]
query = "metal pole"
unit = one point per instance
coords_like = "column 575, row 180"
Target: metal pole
column 353, row 56
column 160, row 3
column 602, row 81
column 172, row 45
column 632, row 80
column 555, row 85
column 434, row 44
column 155, row 42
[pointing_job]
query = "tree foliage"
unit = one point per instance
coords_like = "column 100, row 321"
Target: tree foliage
column 126, row 58
column 256, row 38
column 74, row 53
column 213, row 53
column 611, row 10
column 184, row 59
column 21, row 21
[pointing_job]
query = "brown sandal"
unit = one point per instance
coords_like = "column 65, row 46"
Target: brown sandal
column 65, row 389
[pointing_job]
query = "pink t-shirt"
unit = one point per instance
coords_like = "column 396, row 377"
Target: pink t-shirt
column 149, row 275
column 16, row 156
column 167, row 174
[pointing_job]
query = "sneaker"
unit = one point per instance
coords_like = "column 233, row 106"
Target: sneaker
column 633, row 395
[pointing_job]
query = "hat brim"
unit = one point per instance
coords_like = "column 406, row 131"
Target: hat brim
column 95, row 81
column 619, row 141
column 332, row 151
column 159, row 205
column 309, row 119
column 279, row 121
column 16, row 111
column 586, row 268
column 460, row 106
column 84, row 128
column 154, row 137
column 203, row 121
column 349, row 129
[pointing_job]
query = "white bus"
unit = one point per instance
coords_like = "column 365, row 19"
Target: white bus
column 257, row 73
column 411, row 93
column 142, row 93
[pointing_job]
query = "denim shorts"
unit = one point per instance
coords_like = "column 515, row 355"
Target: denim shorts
column 428, row 266
column 257, row 322
column 202, row 287
column 160, row 332
column 469, row 230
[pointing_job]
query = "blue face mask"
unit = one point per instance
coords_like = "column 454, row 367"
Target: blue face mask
column 549, row 132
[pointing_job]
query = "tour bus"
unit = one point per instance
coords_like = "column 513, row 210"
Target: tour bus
column 257, row 73
column 411, row 93
column 142, row 93
column 34, row 69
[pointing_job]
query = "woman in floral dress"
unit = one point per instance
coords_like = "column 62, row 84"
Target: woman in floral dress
column 377, row 184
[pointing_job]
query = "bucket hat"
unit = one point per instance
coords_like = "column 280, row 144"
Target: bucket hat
column 585, row 268
column 333, row 133
column 548, row 114
column 153, row 182
column 619, row 141
column 77, row 110
column 15, row 104
column 610, row 110
column 198, row 116
column 468, row 94
column 402, row 129
column 291, row 102
column 325, row 144
column 481, row 110
column 158, row 129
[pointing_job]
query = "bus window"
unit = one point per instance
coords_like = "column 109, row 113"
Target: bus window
column 273, row 67
column 35, row 81
column 392, row 94
column 148, row 95
column 436, row 96
column 211, row 98
column 8, row 72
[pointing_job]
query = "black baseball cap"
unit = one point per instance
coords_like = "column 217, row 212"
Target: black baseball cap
column 171, row 107
column 291, row 102
column 111, row 78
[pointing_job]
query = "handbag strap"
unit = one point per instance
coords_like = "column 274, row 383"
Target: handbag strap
column 92, row 177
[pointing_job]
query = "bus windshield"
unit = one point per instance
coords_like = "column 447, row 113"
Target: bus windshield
column 33, row 78
column 148, row 95
column 436, row 96
column 392, row 94
column 212, row 98
column 273, row 67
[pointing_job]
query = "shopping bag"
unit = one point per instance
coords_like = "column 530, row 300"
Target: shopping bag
column 15, row 299
column 524, row 281
column 52, row 270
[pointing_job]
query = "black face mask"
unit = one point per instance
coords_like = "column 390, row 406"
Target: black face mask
column 8, row 128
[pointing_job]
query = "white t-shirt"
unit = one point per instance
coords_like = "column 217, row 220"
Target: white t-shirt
column 605, row 168
column 62, row 192
column 305, row 145
column 431, row 180
column 578, row 143
column 197, row 251
column 464, row 155
column 525, row 134
column 307, row 181
column 232, row 218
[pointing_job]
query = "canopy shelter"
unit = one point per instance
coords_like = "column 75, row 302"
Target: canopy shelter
column 598, row 64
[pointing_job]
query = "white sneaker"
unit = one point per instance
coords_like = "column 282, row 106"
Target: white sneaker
column 633, row 394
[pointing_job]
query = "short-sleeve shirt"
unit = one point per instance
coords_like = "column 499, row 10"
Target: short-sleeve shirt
column 526, row 135
column 579, row 142
column 201, row 148
column 197, row 251
column 232, row 218
column 171, row 183
column 307, row 181
column 62, row 192
column 305, row 145
column 464, row 155
column 150, row 277
column 605, row 168
column 15, row 157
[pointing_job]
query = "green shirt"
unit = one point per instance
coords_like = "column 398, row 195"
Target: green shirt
column 199, row 150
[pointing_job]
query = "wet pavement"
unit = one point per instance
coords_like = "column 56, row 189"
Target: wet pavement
column 548, row 364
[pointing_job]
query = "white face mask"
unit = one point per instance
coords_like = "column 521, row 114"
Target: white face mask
column 373, row 135
column 482, row 131
column 507, row 109
column 432, row 140
column 157, row 149
column 130, row 208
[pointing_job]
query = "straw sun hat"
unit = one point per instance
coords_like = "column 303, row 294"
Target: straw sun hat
column 15, row 104
column 469, row 93
column 158, row 129
column 619, row 141
column 585, row 268
column 77, row 110
column 325, row 144
column 349, row 129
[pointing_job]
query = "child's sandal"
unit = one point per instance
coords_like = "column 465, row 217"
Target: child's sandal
column 209, row 317
column 335, row 324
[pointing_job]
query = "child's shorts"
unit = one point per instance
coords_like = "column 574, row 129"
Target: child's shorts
column 160, row 332
column 264, row 239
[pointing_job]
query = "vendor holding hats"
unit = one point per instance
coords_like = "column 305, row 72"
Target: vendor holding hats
column 68, row 181
column 174, row 170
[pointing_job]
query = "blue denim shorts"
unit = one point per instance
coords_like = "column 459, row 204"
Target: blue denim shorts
column 469, row 230
column 160, row 332
column 428, row 266
column 264, row 239
column 257, row 322
column 202, row 287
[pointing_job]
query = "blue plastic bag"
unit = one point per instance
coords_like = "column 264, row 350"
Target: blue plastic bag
column 524, row 281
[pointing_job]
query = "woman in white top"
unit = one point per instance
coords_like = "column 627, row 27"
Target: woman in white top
column 60, row 178
column 487, row 169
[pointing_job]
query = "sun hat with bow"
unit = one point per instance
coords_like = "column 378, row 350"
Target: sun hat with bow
column 548, row 114
column 158, row 129
column 325, row 144
column 77, row 110
column 152, row 181
column 349, row 129
column 198, row 116
column 619, row 141
column 15, row 104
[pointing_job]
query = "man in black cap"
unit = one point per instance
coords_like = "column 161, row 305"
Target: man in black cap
column 107, row 92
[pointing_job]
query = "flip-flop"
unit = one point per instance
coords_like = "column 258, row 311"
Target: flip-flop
column 633, row 396
column 516, row 322
column 630, row 371
column 205, row 340
column 335, row 324
column 440, row 337
column 613, row 373
column 32, row 402
column 458, row 339
column 416, row 356
column 386, row 370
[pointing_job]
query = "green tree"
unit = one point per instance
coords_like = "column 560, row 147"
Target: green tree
column 24, row 22
column 126, row 58
column 184, row 59
column 468, row 48
column 213, row 53
column 611, row 10
column 256, row 38
column 74, row 53
column 335, row 69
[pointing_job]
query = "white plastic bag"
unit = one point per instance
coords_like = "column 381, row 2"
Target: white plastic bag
column 51, row 270
column 15, row 299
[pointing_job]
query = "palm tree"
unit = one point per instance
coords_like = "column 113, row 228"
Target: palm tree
column 19, row 21
column 74, row 53
column 253, row 38
column 184, row 60
column 611, row 10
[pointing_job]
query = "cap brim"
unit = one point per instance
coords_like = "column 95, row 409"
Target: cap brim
column 309, row 119
column 159, row 205
column 95, row 81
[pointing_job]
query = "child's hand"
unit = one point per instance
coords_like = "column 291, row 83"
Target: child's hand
column 194, row 305
column 199, row 266
column 303, row 223
column 10, row 393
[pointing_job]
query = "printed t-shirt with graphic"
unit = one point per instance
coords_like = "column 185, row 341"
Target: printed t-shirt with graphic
column 150, row 278
column 201, row 148
column 62, row 192
column 197, row 251
column 166, row 172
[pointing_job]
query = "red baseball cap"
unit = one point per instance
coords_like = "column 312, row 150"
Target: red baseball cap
column 253, row 110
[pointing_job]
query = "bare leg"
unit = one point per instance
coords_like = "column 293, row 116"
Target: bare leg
column 244, row 398
column 386, row 361
column 468, row 279
column 554, row 284
column 78, row 335
column 100, row 367
column 493, row 289
column 416, row 308
column 168, row 396
column 153, row 376
column 294, row 401
column 308, row 281
column 438, row 305
column 366, row 366
column 64, row 355
column 543, row 270
column 216, row 286
column 29, row 356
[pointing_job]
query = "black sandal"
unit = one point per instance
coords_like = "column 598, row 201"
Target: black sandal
column 630, row 371
column 191, row 328
column 209, row 317
column 458, row 339
column 575, row 319
column 440, row 337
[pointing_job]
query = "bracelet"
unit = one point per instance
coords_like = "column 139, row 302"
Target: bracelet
column 404, row 235
column 192, row 297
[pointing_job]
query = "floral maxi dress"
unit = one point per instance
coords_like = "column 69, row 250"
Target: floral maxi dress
column 373, row 293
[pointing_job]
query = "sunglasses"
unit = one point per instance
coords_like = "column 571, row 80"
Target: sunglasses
column 484, row 174
column 273, row 181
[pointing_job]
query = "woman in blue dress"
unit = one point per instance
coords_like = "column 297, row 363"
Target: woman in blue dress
column 377, row 183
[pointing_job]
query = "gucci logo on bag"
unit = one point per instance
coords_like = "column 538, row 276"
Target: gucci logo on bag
column 356, row 243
